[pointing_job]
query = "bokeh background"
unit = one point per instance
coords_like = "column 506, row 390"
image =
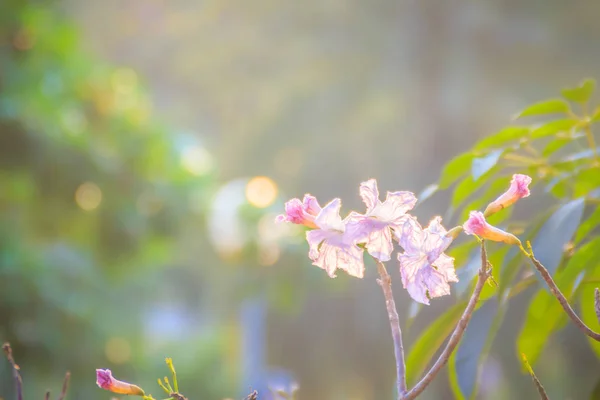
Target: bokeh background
column 146, row 146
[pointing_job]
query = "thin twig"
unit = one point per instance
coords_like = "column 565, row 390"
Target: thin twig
column 536, row 381
column 560, row 297
column 386, row 285
column 47, row 397
column 18, row 381
column 484, row 274
column 65, row 386
column 597, row 303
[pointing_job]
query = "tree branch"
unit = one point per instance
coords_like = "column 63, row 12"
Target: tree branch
column 385, row 282
column 484, row 274
column 18, row 381
column 561, row 298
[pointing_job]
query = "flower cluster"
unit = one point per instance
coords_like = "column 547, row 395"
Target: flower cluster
column 426, row 271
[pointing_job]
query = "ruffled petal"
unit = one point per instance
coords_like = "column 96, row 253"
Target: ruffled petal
column 410, row 235
column 395, row 207
column 410, row 267
column 334, row 254
column 445, row 266
column 369, row 194
column 436, row 240
column 329, row 217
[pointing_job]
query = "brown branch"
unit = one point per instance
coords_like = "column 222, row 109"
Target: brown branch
column 47, row 397
column 385, row 282
column 18, row 381
column 484, row 274
column 597, row 303
column 65, row 386
column 561, row 298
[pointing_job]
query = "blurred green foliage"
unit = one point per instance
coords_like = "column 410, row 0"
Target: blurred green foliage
column 558, row 149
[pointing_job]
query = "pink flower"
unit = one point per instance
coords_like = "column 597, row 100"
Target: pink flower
column 105, row 380
column 332, row 246
column 373, row 228
column 477, row 225
column 519, row 188
column 301, row 212
column 424, row 267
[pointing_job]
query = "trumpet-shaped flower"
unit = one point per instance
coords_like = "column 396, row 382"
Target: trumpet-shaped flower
column 105, row 380
column 424, row 267
column 332, row 246
column 301, row 212
column 373, row 228
column 519, row 188
column 477, row 225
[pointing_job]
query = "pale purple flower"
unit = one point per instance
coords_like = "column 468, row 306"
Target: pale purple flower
column 424, row 267
column 105, row 380
column 301, row 212
column 373, row 228
column 519, row 188
column 331, row 246
column 477, row 225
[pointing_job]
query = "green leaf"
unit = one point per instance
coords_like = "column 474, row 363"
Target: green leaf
column 588, row 226
column 595, row 115
column 553, row 127
column 555, row 145
column 585, row 258
column 556, row 232
column 552, row 106
column 544, row 316
column 466, row 361
column 588, row 313
column 468, row 186
column 481, row 165
column 586, row 181
column 430, row 341
column 582, row 93
column 508, row 134
column 455, row 169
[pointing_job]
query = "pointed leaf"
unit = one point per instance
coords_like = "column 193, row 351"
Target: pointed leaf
column 467, row 359
column 430, row 341
column 582, row 93
column 481, row 165
column 455, row 169
column 556, row 232
column 553, row 127
column 551, row 106
column 544, row 316
column 508, row 134
column 588, row 226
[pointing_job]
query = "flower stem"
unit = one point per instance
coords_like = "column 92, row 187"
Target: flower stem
column 385, row 282
column 560, row 297
column 484, row 274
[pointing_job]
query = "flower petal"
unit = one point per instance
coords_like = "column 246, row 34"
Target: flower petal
column 329, row 217
column 395, row 206
column 410, row 267
column 334, row 254
column 410, row 235
column 370, row 194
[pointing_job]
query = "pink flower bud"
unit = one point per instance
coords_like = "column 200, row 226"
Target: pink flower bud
column 105, row 380
column 477, row 225
column 301, row 212
column 519, row 188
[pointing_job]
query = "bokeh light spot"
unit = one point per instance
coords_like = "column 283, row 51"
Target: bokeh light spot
column 269, row 255
column 117, row 350
column 196, row 160
column 261, row 191
column 88, row 196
